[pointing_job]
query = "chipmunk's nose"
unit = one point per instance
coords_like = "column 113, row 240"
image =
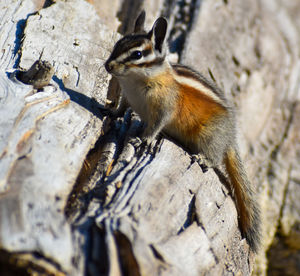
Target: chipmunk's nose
column 108, row 66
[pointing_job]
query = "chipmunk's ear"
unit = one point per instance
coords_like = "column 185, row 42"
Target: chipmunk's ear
column 158, row 33
column 139, row 23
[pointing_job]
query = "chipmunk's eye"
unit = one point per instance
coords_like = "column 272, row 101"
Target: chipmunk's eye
column 136, row 55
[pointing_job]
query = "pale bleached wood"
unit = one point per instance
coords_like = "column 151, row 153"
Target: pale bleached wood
column 46, row 135
column 13, row 15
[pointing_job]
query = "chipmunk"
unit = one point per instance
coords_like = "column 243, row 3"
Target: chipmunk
column 180, row 102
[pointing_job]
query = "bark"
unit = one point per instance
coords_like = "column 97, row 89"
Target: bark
column 77, row 199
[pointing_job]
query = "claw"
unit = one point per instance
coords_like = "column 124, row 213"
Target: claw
column 143, row 143
column 135, row 141
column 150, row 144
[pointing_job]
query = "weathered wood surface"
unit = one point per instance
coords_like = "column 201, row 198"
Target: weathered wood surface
column 46, row 135
column 77, row 199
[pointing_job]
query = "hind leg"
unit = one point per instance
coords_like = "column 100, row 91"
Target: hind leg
column 210, row 151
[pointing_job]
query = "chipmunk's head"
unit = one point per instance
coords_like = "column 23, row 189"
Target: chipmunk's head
column 140, row 52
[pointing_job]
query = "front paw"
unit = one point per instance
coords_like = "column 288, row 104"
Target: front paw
column 143, row 144
column 148, row 141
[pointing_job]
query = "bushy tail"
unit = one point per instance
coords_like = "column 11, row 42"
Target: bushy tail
column 247, row 206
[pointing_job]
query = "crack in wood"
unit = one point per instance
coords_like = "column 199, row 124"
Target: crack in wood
column 28, row 263
column 157, row 254
column 128, row 262
column 121, row 199
column 186, row 12
column 191, row 215
column 89, row 182
column 78, row 75
column 127, row 14
column 97, row 256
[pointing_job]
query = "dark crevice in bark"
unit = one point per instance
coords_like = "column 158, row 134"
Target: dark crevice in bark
column 20, row 28
column 89, row 183
column 191, row 215
column 97, row 259
column 127, row 15
column 48, row 3
column 144, row 158
column 27, row 263
column 128, row 263
column 184, row 15
column 157, row 254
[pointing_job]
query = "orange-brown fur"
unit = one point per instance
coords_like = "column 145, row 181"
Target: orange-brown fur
column 193, row 115
column 195, row 111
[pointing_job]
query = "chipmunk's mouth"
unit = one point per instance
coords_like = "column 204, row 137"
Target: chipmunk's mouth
column 114, row 69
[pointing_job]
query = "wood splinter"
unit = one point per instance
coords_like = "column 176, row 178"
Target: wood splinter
column 38, row 75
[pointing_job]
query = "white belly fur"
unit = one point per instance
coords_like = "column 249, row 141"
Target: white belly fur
column 136, row 97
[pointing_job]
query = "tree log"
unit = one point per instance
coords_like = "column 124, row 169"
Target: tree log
column 77, row 199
